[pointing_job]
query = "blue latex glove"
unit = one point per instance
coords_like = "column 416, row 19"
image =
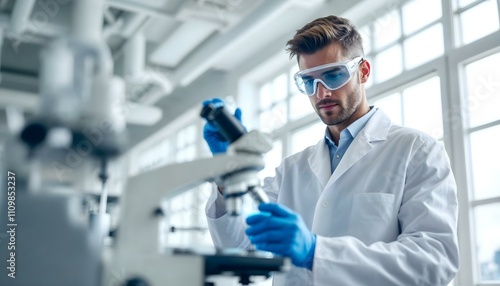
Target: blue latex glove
column 216, row 142
column 280, row 230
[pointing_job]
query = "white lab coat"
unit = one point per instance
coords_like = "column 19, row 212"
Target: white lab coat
column 386, row 216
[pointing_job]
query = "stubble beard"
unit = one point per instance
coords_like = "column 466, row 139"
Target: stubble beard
column 346, row 110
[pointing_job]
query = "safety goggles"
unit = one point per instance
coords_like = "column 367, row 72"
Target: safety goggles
column 333, row 76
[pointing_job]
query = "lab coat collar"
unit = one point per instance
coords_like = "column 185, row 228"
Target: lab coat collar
column 377, row 127
column 376, row 130
column 319, row 162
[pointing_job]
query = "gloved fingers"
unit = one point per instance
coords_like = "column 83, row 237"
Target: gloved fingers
column 273, row 223
column 276, row 248
column 216, row 142
column 218, row 147
column 277, row 210
column 257, row 217
column 237, row 114
column 210, row 127
column 266, row 219
column 210, row 130
column 272, row 236
column 216, row 102
column 266, row 226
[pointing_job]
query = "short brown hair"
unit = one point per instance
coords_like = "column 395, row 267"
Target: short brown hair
column 323, row 32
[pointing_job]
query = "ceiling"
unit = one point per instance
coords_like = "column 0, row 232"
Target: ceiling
column 182, row 50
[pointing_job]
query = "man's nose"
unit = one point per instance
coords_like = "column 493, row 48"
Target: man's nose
column 322, row 91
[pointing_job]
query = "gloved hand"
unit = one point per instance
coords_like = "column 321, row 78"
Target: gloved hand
column 216, row 142
column 280, row 230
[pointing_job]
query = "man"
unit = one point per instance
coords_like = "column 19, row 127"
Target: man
column 371, row 204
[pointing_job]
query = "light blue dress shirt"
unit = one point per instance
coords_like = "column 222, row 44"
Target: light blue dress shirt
column 346, row 137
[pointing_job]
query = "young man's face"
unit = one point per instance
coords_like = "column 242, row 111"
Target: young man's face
column 341, row 106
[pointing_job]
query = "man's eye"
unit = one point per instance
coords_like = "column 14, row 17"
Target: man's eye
column 308, row 81
column 333, row 75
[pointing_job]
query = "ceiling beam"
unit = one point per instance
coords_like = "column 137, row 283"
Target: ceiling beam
column 136, row 7
column 204, row 58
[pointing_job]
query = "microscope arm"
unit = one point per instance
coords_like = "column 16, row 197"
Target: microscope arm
column 138, row 233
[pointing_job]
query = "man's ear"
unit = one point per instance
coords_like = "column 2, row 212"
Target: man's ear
column 365, row 69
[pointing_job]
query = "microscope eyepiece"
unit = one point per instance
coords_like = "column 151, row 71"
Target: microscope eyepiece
column 228, row 125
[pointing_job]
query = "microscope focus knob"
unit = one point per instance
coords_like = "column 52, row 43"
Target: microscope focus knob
column 34, row 134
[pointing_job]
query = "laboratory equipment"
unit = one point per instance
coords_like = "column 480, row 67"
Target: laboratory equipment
column 60, row 227
column 236, row 171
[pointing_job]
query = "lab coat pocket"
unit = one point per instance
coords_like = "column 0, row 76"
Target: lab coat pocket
column 373, row 218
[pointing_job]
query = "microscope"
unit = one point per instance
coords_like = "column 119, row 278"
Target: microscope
column 236, row 171
column 55, row 231
column 56, row 236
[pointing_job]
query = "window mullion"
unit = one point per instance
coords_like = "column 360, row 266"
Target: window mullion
column 402, row 38
column 469, row 6
column 455, row 120
column 448, row 31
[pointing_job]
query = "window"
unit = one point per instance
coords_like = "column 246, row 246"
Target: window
column 367, row 43
column 483, row 98
column 417, row 106
column 476, row 19
column 416, row 55
column 281, row 102
column 422, row 107
column 392, row 107
column 388, row 63
column 484, row 146
column 272, row 159
column 179, row 215
column 300, row 105
column 178, row 148
column 273, row 104
column 418, row 14
column 398, row 43
column 156, row 156
column 487, row 244
column 185, row 144
column 387, row 29
column 483, row 94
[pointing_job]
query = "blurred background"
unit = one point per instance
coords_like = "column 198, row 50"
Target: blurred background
column 435, row 67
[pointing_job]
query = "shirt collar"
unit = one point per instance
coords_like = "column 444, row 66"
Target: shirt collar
column 353, row 129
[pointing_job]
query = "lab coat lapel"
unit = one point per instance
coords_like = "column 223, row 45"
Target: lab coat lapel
column 359, row 147
column 319, row 162
column 375, row 130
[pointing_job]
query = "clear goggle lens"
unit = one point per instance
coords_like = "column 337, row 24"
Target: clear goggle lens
column 333, row 76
